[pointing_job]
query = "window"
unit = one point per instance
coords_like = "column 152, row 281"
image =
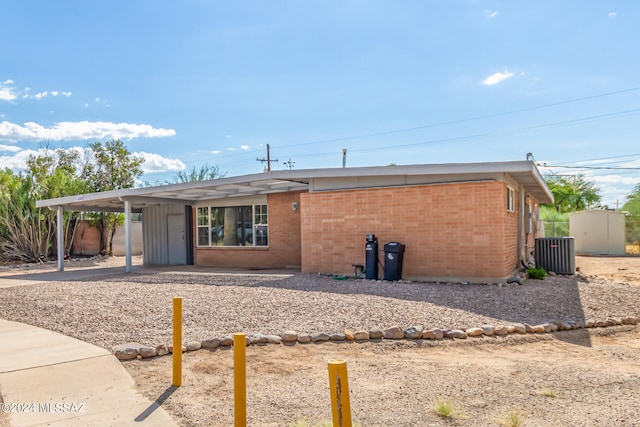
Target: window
column 232, row 226
column 510, row 198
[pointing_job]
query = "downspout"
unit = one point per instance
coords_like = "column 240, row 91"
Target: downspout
column 521, row 225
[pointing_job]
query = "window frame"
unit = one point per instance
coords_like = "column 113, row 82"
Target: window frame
column 511, row 195
column 258, row 211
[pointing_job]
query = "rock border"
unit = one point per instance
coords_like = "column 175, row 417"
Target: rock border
column 132, row 350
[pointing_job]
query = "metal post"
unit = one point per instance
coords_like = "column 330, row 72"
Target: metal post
column 240, row 379
column 339, row 389
column 127, row 236
column 177, row 342
column 60, row 238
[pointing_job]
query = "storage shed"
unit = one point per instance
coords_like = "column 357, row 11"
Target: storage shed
column 598, row 232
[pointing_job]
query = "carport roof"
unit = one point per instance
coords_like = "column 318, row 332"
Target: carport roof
column 524, row 172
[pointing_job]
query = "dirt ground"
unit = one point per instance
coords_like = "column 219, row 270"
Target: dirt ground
column 580, row 377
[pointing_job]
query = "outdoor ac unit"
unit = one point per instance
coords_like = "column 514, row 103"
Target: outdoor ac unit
column 556, row 254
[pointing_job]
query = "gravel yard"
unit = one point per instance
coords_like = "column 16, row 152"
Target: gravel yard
column 395, row 382
column 137, row 307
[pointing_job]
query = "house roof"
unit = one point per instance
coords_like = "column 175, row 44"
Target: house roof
column 525, row 173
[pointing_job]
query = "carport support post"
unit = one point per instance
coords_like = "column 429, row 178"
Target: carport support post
column 60, row 238
column 127, row 236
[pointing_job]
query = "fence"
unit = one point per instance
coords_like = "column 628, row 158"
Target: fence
column 556, row 228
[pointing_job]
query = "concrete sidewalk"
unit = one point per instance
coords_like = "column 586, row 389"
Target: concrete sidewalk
column 57, row 380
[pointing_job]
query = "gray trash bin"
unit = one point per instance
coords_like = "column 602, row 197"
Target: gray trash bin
column 393, row 255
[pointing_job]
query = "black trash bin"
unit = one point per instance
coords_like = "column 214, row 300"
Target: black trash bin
column 393, row 254
column 371, row 251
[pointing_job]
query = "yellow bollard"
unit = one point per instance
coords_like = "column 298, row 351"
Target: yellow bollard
column 177, row 342
column 339, row 388
column 240, row 379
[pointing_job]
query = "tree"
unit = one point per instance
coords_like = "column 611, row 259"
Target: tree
column 573, row 193
column 205, row 173
column 110, row 167
column 27, row 233
column 632, row 206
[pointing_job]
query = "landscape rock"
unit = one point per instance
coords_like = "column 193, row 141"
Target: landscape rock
column 193, row 345
column 127, row 351
column 474, row 332
column 629, row 321
column 290, row 336
column 519, row 328
column 319, row 337
column 304, row 338
column 274, row 339
column 501, row 330
column 337, row 337
column 147, row 352
column 413, row 332
column 349, row 336
column 488, row 330
column 162, row 350
column 361, row 335
column 455, row 333
column 394, row 333
column 211, row 343
column 376, row 334
column 437, row 333
column 226, row 341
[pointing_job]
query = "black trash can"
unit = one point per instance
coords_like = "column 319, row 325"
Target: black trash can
column 393, row 255
column 371, row 251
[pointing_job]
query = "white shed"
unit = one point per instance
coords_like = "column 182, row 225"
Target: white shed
column 598, row 232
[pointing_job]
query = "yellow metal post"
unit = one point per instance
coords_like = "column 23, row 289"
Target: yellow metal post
column 177, row 342
column 339, row 388
column 240, row 379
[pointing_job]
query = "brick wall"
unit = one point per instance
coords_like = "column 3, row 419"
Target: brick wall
column 458, row 230
column 284, row 240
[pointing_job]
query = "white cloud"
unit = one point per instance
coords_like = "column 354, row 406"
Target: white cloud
column 216, row 152
column 491, row 13
column 152, row 162
column 244, row 147
column 74, row 131
column 614, row 179
column 613, row 14
column 11, row 148
column 7, row 91
column 18, row 161
column 157, row 163
column 496, row 78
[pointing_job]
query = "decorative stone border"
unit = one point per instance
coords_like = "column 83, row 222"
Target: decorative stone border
column 132, row 350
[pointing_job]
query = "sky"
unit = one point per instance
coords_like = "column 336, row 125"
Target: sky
column 198, row 82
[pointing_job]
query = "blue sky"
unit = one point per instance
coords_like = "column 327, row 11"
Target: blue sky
column 184, row 83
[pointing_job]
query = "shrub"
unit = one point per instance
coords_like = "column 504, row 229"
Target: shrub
column 537, row 273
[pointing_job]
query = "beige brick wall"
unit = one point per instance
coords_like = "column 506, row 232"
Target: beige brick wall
column 284, row 240
column 458, row 230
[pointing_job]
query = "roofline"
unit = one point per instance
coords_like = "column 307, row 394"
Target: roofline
column 304, row 175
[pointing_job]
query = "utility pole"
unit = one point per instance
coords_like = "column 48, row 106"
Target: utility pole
column 344, row 157
column 289, row 164
column 267, row 160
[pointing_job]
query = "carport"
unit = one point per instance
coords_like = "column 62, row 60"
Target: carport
column 134, row 200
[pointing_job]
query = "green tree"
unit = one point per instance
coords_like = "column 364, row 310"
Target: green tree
column 632, row 206
column 573, row 193
column 110, row 167
column 28, row 233
column 204, row 173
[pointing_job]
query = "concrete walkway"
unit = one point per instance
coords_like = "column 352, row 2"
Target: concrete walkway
column 62, row 381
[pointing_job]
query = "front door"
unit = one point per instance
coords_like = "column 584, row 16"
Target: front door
column 177, row 247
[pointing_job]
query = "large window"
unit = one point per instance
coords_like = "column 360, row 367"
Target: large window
column 233, row 226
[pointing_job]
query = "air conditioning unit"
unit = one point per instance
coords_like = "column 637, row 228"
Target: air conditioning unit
column 556, row 254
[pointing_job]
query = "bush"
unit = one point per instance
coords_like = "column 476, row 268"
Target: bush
column 537, row 273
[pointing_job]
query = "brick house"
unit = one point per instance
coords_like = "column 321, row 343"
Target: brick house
column 467, row 221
